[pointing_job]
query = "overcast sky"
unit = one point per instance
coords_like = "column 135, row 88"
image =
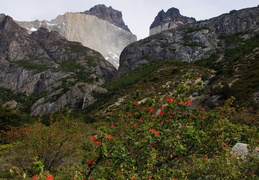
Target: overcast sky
column 137, row 14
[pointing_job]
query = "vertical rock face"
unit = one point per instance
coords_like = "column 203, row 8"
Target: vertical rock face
column 189, row 42
column 100, row 28
column 168, row 20
column 59, row 72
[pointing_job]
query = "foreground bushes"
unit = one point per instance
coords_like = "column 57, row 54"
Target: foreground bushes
column 168, row 137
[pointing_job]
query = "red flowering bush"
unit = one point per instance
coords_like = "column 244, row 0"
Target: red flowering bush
column 167, row 137
column 165, row 142
column 49, row 144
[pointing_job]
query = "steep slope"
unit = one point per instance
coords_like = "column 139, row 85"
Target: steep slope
column 57, row 72
column 190, row 42
column 168, row 20
column 101, row 28
column 228, row 44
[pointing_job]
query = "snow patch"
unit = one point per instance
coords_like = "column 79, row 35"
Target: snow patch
column 32, row 29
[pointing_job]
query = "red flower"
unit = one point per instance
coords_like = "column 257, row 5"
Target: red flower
column 189, row 103
column 136, row 103
column 162, row 113
column 156, row 133
column 50, row 177
column 97, row 143
column 181, row 103
column 150, row 110
column 93, row 138
column 35, row 177
column 109, row 136
column 169, row 100
column 154, row 115
column 134, row 125
column 90, row 161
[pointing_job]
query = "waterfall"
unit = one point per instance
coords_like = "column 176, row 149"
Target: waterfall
column 84, row 101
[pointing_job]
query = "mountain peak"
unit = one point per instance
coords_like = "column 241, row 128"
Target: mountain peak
column 7, row 23
column 108, row 14
column 168, row 20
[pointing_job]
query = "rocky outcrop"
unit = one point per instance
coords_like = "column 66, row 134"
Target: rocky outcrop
column 168, row 20
column 174, row 45
column 100, row 28
column 189, row 42
column 241, row 21
column 57, row 71
column 108, row 14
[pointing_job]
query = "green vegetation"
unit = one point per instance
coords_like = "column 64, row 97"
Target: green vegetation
column 191, row 30
column 208, row 62
column 133, row 77
column 37, row 68
column 25, row 101
column 245, row 48
column 164, row 137
column 146, row 127
column 70, row 66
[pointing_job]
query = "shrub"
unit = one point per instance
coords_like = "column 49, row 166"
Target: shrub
column 170, row 139
column 52, row 145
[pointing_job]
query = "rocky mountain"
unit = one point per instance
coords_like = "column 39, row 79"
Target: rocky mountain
column 168, row 20
column 190, row 42
column 228, row 44
column 108, row 14
column 46, row 66
column 101, row 28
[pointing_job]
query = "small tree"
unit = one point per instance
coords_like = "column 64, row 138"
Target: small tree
column 49, row 144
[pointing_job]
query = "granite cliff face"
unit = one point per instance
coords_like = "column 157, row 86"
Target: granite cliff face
column 100, row 28
column 190, row 42
column 168, row 20
column 60, row 73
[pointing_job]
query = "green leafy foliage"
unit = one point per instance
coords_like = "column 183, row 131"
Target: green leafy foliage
column 173, row 141
column 10, row 117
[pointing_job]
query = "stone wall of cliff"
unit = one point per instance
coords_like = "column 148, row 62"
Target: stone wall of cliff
column 105, row 35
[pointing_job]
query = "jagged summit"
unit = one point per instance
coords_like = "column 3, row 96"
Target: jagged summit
column 168, row 20
column 108, row 14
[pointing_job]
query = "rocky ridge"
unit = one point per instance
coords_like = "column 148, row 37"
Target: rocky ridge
column 60, row 73
column 108, row 14
column 168, row 20
column 101, row 28
column 190, row 42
